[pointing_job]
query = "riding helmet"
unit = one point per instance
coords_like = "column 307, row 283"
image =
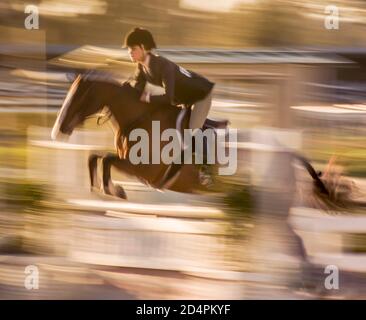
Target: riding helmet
column 140, row 36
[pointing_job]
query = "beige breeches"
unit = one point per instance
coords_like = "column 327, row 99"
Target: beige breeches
column 199, row 112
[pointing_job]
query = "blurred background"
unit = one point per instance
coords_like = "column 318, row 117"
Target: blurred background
column 282, row 79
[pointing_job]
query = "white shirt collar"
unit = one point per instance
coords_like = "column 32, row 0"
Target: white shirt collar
column 146, row 61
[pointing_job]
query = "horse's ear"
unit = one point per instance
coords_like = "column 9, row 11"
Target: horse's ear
column 71, row 77
column 78, row 77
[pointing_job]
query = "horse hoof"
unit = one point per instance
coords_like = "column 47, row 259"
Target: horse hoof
column 119, row 192
column 94, row 189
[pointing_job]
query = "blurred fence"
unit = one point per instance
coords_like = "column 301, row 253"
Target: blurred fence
column 184, row 237
column 149, row 242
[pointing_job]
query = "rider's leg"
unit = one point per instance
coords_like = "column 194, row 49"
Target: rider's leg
column 199, row 112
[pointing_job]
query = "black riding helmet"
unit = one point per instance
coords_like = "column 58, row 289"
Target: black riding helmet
column 138, row 37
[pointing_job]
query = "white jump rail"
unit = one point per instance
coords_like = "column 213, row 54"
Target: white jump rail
column 183, row 238
column 165, row 210
column 317, row 221
column 65, row 145
column 148, row 242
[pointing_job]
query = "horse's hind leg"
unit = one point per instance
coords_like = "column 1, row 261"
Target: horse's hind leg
column 93, row 172
column 107, row 186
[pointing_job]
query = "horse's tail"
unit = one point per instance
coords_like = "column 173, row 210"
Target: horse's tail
column 331, row 189
column 316, row 176
column 120, row 143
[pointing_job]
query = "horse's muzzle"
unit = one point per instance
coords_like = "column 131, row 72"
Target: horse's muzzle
column 67, row 129
column 57, row 135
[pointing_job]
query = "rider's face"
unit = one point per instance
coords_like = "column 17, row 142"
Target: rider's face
column 137, row 53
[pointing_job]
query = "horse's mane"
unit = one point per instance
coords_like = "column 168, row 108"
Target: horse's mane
column 100, row 76
column 106, row 77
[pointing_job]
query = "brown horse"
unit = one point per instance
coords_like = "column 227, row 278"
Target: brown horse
column 90, row 94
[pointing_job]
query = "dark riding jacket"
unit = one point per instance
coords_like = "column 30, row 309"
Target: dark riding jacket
column 181, row 86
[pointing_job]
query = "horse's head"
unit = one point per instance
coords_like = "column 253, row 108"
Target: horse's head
column 79, row 104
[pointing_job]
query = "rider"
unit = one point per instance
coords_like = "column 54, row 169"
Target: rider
column 182, row 87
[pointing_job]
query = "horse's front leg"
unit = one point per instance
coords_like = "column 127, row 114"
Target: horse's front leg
column 108, row 186
column 93, row 172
